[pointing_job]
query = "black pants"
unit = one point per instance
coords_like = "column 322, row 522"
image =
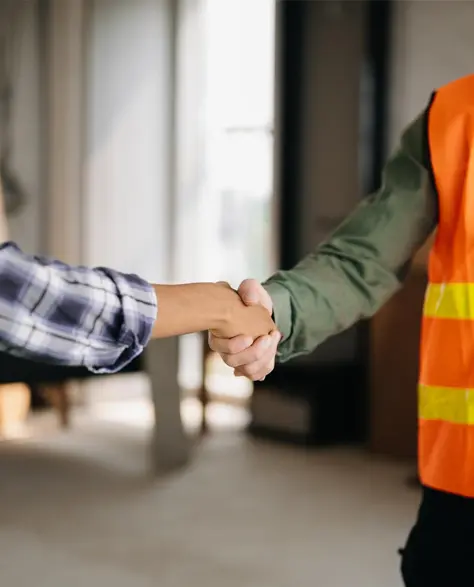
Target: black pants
column 440, row 549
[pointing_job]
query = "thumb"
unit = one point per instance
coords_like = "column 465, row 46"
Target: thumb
column 253, row 293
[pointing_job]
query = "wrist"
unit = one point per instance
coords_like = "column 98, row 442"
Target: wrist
column 223, row 302
column 281, row 308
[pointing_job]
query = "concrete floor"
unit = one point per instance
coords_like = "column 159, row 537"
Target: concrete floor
column 80, row 509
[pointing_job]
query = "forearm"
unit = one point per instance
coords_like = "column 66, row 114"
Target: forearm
column 184, row 309
column 325, row 294
column 195, row 307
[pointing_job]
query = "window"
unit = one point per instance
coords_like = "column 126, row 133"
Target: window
column 233, row 203
column 239, row 98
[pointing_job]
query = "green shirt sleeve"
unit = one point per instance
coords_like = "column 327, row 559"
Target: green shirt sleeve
column 352, row 274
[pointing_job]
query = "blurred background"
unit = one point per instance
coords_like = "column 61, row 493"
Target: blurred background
column 190, row 140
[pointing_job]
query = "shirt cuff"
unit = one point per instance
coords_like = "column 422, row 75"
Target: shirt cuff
column 281, row 312
column 139, row 311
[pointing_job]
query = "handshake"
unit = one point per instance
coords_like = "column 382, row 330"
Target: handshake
column 240, row 322
column 250, row 356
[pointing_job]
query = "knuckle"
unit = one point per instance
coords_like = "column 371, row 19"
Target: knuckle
column 255, row 354
column 234, row 346
column 230, row 360
column 245, row 371
column 252, row 369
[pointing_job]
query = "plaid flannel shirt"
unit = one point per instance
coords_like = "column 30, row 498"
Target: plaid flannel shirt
column 76, row 316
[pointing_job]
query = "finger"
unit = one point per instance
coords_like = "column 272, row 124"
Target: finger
column 257, row 372
column 229, row 346
column 250, row 291
column 253, row 370
column 258, row 369
column 253, row 293
column 250, row 355
column 266, row 371
column 261, row 374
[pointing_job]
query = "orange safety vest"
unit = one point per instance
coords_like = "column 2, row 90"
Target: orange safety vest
column 446, row 384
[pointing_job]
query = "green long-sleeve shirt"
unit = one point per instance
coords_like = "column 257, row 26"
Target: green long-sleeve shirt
column 352, row 274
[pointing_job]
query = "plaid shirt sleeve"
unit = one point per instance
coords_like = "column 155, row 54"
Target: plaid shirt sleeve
column 77, row 316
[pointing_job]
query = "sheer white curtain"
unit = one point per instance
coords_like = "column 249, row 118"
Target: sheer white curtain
column 226, row 54
column 224, row 151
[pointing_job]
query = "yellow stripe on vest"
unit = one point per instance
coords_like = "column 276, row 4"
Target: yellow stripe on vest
column 446, row 403
column 450, row 300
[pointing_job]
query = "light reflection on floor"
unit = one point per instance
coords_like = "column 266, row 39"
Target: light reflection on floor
column 133, row 414
column 126, row 401
column 139, row 413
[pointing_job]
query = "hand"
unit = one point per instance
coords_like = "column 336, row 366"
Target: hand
column 250, row 358
column 250, row 321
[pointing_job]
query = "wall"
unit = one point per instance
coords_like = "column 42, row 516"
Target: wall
column 127, row 151
column 25, row 228
column 432, row 44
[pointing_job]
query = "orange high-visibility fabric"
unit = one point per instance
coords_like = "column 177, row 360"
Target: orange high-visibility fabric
column 446, row 390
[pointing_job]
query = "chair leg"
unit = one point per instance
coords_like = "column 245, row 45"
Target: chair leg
column 203, row 395
column 58, row 397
